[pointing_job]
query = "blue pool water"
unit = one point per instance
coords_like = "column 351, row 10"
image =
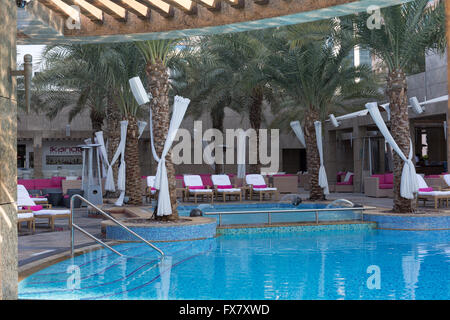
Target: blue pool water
column 322, row 265
column 281, row 217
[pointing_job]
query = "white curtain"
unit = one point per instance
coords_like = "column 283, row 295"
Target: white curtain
column 409, row 184
column 161, row 180
column 241, row 146
column 155, row 155
column 323, row 181
column 141, row 127
column 295, row 125
column 103, row 153
column 109, row 184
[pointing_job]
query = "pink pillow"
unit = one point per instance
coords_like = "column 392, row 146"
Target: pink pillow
column 34, row 208
column 389, row 178
column 153, row 188
column 196, row 187
column 66, row 196
column 429, row 189
column 225, row 187
column 260, row 186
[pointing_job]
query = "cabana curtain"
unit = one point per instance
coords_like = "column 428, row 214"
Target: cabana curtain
column 161, row 179
column 295, row 125
column 323, row 181
column 241, row 146
column 141, row 127
column 103, row 153
column 109, row 184
column 409, row 184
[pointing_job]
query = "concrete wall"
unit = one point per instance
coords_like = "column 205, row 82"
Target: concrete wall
column 8, row 172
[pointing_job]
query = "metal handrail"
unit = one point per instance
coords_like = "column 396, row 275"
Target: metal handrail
column 269, row 212
column 72, row 226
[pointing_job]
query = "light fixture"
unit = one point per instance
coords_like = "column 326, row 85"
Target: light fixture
column 415, row 105
column 67, row 130
column 334, row 121
column 139, row 92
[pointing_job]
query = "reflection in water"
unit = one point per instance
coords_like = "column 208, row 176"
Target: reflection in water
column 163, row 287
column 290, row 265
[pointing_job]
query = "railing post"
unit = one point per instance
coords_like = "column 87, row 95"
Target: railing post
column 71, row 228
column 317, row 217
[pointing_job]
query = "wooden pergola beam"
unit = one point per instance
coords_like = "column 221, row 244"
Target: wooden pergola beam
column 184, row 18
column 113, row 9
column 140, row 10
column 89, row 10
column 163, row 8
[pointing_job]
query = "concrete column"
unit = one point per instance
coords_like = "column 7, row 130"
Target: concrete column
column 381, row 155
column 447, row 20
column 358, row 143
column 8, row 152
column 330, row 155
column 37, row 151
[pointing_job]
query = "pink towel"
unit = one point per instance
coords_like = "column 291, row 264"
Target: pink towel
column 260, row 186
column 225, row 187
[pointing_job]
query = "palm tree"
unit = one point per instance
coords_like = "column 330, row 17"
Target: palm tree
column 73, row 76
column 207, row 82
column 317, row 76
column 157, row 55
column 244, row 56
column 407, row 31
column 129, row 64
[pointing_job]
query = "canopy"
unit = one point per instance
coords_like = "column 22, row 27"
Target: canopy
column 295, row 125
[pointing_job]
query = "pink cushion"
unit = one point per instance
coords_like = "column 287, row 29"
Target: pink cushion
column 283, row 175
column 389, row 178
column 34, row 208
column 153, row 188
column 429, row 189
column 66, row 196
column 206, row 179
column 348, row 183
column 197, row 187
column 260, row 186
column 386, row 186
column 27, row 183
column 433, row 176
column 57, row 181
column 225, row 187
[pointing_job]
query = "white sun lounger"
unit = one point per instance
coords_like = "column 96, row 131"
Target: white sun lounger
column 223, row 186
column 435, row 196
column 257, row 184
column 24, row 200
column 194, row 186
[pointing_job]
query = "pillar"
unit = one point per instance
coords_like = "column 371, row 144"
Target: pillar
column 37, row 150
column 358, row 143
column 8, row 153
column 330, row 155
column 447, row 20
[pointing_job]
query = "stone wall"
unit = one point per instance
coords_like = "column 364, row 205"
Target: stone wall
column 8, row 151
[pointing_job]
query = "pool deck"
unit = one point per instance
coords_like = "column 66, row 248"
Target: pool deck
column 45, row 243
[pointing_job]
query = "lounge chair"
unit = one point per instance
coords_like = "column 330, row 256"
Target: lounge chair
column 427, row 193
column 223, row 187
column 28, row 217
column 258, row 185
column 25, row 202
column 194, row 186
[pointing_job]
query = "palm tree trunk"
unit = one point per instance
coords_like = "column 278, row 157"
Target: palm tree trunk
column 97, row 119
column 158, row 85
column 133, row 170
column 255, row 117
column 312, row 155
column 447, row 27
column 397, row 92
column 113, row 118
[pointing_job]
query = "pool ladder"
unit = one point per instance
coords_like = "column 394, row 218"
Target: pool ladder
column 86, row 233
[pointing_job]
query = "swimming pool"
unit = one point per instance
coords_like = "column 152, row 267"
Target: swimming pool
column 282, row 217
column 320, row 265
